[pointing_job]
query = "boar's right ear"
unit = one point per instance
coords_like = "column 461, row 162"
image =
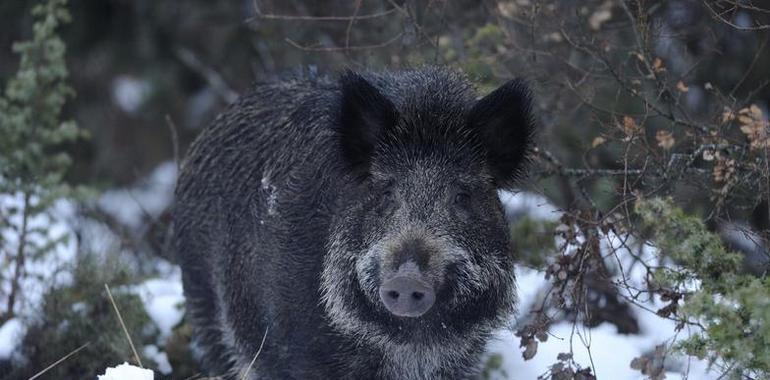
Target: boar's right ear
column 365, row 114
column 504, row 123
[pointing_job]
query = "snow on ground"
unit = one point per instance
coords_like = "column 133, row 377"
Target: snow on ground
column 10, row 333
column 163, row 299
column 532, row 205
column 129, row 93
column 162, row 296
column 126, row 371
column 149, row 198
column 159, row 357
column 41, row 272
column 610, row 352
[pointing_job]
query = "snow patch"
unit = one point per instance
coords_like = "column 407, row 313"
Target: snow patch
column 126, row 371
column 129, row 92
column 149, row 198
column 532, row 205
column 159, row 357
column 40, row 272
column 10, row 336
column 272, row 195
column 163, row 299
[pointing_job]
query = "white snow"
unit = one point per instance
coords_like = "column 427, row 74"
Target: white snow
column 533, row 205
column 149, row 198
column 159, row 357
column 40, row 272
column 272, row 195
column 126, row 371
column 129, row 93
column 163, row 299
column 10, row 334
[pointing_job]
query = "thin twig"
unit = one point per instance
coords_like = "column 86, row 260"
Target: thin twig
column 721, row 18
column 267, row 16
column 213, row 78
column 54, row 364
column 123, row 325
column 753, row 63
column 246, row 373
column 174, row 141
column 342, row 48
column 350, row 24
column 20, row 257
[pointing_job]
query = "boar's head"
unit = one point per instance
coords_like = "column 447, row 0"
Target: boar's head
column 420, row 251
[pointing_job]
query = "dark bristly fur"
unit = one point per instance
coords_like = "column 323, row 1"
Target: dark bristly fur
column 298, row 200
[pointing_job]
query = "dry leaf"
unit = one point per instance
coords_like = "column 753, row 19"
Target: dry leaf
column 507, row 9
column 598, row 141
column 727, row 115
column 657, row 65
column 681, row 87
column 744, row 119
column 754, row 126
column 629, row 126
column 723, row 170
column 665, row 139
column 531, row 350
column 755, row 111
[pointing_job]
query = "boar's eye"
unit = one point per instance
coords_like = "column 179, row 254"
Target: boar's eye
column 387, row 201
column 462, row 199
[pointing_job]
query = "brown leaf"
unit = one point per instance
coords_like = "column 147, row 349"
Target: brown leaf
column 754, row 126
column 745, row 119
column 665, row 139
column 681, row 87
column 639, row 363
column 756, row 113
column 657, row 65
column 727, row 115
column 724, row 169
column 530, row 351
column 629, row 126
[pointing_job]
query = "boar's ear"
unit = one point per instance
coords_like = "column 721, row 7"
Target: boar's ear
column 504, row 123
column 364, row 115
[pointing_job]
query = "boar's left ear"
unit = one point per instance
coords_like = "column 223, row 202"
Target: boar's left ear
column 365, row 114
column 504, row 123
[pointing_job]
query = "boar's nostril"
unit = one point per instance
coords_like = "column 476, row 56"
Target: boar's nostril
column 418, row 296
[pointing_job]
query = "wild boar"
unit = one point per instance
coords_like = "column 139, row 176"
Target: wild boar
column 351, row 228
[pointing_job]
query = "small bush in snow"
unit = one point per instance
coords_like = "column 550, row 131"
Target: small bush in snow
column 81, row 313
column 730, row 309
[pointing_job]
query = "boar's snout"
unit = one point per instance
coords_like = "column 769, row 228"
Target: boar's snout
column 407, row 293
